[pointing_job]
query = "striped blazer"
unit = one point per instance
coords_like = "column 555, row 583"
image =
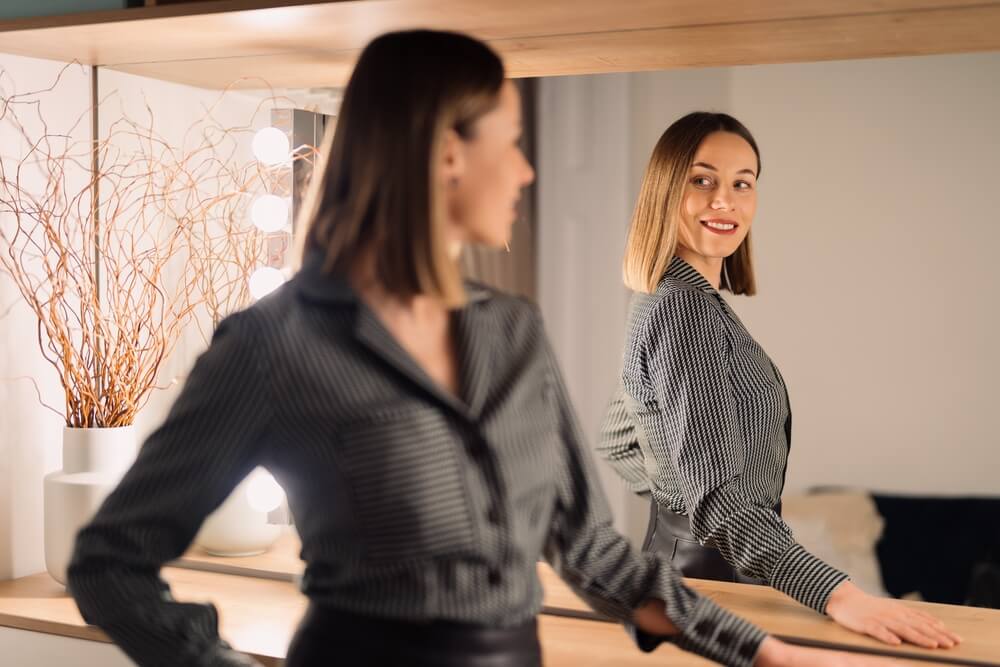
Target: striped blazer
column 411, row 503
column 701, row 420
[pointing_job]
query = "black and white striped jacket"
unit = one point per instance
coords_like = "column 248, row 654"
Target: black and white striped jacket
column 411, row 504
column 701, row 420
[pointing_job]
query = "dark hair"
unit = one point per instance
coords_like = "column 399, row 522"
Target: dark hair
column 652, row 235
column 378, row 188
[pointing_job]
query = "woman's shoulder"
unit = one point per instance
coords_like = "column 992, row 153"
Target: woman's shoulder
column 673, row 304
column 509, row 310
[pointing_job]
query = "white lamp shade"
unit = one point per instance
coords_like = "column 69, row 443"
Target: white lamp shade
column 263, row 493
column 271, row 146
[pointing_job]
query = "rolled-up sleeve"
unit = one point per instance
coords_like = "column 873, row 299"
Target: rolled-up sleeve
column 689, row 364
column 603, row 568
column 211, row 439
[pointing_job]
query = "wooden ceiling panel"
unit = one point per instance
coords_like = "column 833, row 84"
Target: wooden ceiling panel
column 214, row 43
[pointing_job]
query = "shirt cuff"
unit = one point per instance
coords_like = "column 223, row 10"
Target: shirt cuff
column 711, row 632
column 804, row 577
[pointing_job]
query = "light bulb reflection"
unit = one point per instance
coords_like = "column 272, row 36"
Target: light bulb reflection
column 270, row 146
column 265, row 280
column 269, row 213
column 263, row 493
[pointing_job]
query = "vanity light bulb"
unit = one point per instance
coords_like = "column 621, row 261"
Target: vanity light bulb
column 263, row 493
column 265, row 280
column 269, row 213
column 270, row 146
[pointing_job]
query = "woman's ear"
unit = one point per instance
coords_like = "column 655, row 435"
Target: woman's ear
column 453, row 161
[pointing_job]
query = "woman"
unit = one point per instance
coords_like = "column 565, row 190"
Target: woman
column 701, row 419
column 419, row 425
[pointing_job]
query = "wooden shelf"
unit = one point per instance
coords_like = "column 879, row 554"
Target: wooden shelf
column 782, row 616
column 214, row 43
column 258, row 617
column 771, row 610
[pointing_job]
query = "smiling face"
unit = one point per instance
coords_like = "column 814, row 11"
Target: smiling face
column 485, row 174
column 719, row 201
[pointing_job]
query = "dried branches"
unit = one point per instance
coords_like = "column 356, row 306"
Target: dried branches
column 114, row 282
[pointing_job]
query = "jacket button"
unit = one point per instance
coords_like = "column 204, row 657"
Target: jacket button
column 493, row 515
column 493, row 576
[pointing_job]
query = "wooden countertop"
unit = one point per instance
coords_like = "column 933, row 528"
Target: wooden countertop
column 768, row 608
column 783, row 617
column 258, row 615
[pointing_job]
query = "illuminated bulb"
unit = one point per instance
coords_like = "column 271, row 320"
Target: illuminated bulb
column 270, row 146
column 265, row 280
column 263, row 493
column 269, row 213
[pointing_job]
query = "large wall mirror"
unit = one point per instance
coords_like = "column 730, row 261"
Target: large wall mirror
column 874, row 242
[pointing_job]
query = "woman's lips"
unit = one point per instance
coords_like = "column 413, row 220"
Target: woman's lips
column 720, row 226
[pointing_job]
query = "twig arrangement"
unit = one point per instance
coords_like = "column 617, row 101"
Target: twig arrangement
column 118, row 244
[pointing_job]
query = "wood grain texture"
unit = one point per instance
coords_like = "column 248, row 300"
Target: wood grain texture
column 780, row 615
column 290, row 44
column 768, row 608
column 258, row 616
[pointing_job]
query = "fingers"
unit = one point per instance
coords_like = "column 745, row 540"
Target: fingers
column 880, row 632
column 914, row 634
column 939, row 626
column 919, row 629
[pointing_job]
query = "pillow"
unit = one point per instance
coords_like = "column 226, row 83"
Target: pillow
column 841, row 527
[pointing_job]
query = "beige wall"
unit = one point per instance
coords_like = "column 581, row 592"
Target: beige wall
column 875, row 241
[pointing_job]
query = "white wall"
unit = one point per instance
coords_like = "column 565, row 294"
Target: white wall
column 874, row 241
column 176, row 109
column 31, row 437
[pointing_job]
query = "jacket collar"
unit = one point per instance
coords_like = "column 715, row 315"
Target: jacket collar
column 474, row 330
column 681, row 270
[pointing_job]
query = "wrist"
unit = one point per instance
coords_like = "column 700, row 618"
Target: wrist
column 841, row 596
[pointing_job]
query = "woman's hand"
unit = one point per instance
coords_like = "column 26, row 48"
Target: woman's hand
column 774, row 653
column 889, row 621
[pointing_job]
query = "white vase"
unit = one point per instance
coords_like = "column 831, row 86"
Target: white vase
column 94, row 461
column 239, row 527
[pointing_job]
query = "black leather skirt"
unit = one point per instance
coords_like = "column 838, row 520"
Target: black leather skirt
column 670, row 534
column 330, row 637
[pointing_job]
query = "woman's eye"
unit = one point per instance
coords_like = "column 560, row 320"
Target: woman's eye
column 701, row 181
column 743, row 185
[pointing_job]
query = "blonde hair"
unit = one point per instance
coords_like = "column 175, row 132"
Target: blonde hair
column 652, row 236
column 377, row 188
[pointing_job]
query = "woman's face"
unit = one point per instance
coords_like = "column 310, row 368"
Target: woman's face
column 484, row 175
column 720, row 197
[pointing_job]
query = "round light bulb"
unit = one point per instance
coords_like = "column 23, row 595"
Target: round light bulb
column 269, row 213
column 270, row 146
column 263, row 493
column 265, row 280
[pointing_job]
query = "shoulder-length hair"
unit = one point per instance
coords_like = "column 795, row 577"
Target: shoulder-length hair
column 652, row 237
column 377, row 189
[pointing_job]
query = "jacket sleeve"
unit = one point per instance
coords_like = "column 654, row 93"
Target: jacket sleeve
column 690, row 370
column 211, row 439
column 613, row 577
